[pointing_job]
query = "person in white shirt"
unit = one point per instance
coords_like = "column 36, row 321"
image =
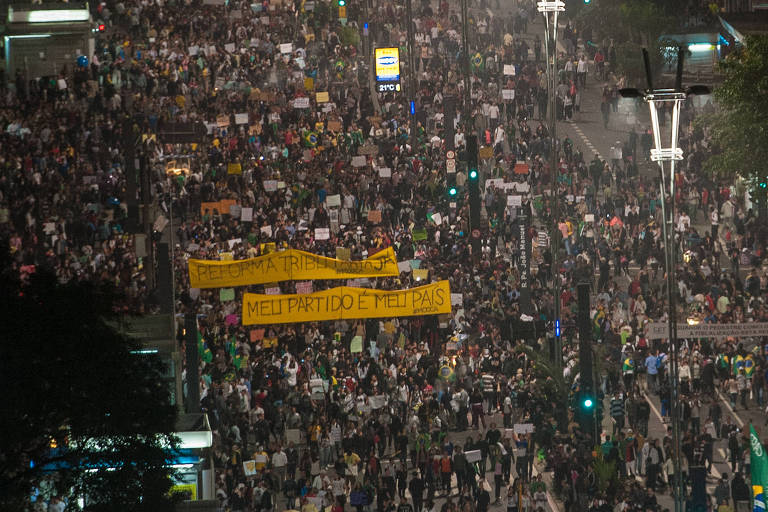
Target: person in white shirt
column 279, row 466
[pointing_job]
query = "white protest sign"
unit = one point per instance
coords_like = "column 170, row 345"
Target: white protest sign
column 333, row 201
column 385, row 172
column 457, row 299
column 322, row 233
column 522, row 187
column 229, row 47
column 495, row 182
column 378, row 401
column 358, row 161
column 270, row 185
column 514, row 200
column 472, row 456
column 658, row 330
column 301, row 102
column 509, row 69
column 524, row 428
column 241, row 118
column 249, row 467
column 246, row 215
column 508, row 94
column 286, row 47
column 266, row 230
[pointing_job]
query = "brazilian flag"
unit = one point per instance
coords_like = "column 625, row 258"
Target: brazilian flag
column 597, row 322
column 446, row 373
column 738, row 363
column 629, row 365
column 478, row 63
column 310, row 139
column 202, row 349
column 759, row 473
column 339, row 67
column 749, row 366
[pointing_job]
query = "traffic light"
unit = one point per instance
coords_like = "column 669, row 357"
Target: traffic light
column 473, row 179
column 585, row 412
column 452, row 191
column 586, row 2
column 342, row 3
column 342, row 9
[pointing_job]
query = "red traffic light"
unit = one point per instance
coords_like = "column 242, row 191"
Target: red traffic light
column 102, row 27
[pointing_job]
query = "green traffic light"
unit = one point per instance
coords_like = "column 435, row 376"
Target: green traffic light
column 763, row 184
column 452, row 191
column 586, row 2
column 342, row 3
column 473, row 174
column 588, row 403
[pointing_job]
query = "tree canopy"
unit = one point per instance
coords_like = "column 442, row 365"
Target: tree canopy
column 82, row 416
column 738, row 129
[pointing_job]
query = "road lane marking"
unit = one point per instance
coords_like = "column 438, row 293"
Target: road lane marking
column 728, row 405
column 715, row 472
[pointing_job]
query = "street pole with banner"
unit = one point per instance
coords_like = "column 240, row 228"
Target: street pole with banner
column 550, row 10
column 670, row 154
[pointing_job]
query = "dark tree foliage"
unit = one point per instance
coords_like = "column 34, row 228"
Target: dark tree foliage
column 70, row 381
column 738, row 129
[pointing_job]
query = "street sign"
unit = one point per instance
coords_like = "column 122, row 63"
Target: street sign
column 659, row 330
column 450, row 155
column 450, row 166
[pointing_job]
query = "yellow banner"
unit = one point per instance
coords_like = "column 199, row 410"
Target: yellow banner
column 287, row 266
column 346, row 303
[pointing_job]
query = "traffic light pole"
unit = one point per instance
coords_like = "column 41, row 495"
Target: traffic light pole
column 550, row 47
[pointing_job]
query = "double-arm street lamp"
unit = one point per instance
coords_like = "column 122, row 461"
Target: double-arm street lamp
column 669, row 154
column 550, row 10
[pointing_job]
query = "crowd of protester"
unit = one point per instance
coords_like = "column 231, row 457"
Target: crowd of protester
column 326, row 427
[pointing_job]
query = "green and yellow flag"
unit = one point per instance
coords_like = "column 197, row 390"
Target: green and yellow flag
column 759, row 461
column 749, row 366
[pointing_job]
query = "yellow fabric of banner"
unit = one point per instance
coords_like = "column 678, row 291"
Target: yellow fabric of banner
column 292, row 264
column 346, row 303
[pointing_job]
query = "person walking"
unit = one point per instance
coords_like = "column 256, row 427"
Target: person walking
column 652, row 371
column 416, row 487
column 714, row 221
column 617, row 412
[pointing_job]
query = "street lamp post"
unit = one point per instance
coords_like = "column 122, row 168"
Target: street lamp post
column 670, row 154
column 551, row 9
